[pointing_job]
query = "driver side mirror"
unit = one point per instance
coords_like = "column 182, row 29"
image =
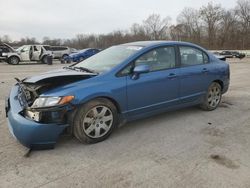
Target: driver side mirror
column 140, row 69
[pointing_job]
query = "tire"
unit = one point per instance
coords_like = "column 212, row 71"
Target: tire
column 64, row 56
column 212, row 98
column 44, row 60
column 13, row 60
column 62, row 61
column 95, row 121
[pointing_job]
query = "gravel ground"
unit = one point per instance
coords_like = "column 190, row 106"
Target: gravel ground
column 185, row 148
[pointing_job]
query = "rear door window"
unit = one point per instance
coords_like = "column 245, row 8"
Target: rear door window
column 192, row 56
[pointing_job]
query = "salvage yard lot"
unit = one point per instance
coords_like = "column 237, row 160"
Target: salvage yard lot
column 185, row 148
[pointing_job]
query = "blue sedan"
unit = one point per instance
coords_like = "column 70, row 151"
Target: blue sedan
column 81, row 55
column 122, row 83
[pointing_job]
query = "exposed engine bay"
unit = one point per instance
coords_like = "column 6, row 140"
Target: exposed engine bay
column 30, row 90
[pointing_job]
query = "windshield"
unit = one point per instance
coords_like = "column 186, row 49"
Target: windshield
column 23, row 49
column 109, row 58
column 20, row 48
column 84, row 50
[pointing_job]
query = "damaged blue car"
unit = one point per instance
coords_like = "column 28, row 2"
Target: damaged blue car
column 119, row 84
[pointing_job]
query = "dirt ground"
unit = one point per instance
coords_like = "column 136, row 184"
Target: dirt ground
column 185, row 148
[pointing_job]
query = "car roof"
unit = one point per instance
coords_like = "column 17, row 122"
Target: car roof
column 157, row 42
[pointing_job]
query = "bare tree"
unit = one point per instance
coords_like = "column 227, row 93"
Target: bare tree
column 211, row 16
column 243, row 12
column 227, row 30
column 177, row 32
column 155, row 27
column 190, row 23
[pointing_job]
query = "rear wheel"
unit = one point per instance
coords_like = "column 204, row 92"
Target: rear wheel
column 95, row 121
column 44, row 59
column 213, row 97
column 13, row 60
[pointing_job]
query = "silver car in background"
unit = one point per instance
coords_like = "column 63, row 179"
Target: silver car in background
column 28, row 53
column 61, row 52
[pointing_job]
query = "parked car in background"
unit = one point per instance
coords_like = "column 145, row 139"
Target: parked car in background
column 28, row 53
column 231, row 54
column 238, row 55
column 81, row 55
column 5, row 48
column 220, row 57
column 217, row 55
column 227, row 54
column 119, row 84
column 61, row 52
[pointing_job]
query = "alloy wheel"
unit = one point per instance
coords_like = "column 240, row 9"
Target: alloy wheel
column 97, row 121
column 214, row 96
column 14, row 60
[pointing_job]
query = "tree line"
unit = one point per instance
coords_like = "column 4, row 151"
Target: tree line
column 210, row 26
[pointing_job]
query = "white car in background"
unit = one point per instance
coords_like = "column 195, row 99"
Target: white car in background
column 61, row 52
column 28, row 53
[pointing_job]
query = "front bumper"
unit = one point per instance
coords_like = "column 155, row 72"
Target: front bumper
column 3, row 58
column 31, row 134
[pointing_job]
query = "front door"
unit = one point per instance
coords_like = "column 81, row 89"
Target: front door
column 25, row 53
column 157, row 89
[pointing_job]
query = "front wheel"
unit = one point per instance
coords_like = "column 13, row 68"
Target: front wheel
column 13, row 60
column 95, row 121
column 212, row 98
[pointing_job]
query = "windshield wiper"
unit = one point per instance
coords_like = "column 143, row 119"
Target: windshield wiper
column 81, row 69
column 71, row 68
column 85, row 69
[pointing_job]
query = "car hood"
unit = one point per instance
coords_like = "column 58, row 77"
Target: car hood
column 60, row 75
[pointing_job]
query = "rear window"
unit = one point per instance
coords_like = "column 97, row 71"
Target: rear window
column 48, row 48
column 192, row 56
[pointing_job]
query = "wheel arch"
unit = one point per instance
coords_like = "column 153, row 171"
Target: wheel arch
column 44, row 55
column 14, row 56
column 220, row 82
column 65, row 54
column 111, row 99
column 11, row 56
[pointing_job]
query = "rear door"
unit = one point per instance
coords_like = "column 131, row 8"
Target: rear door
column 194, row 73
column 36, row 53
column 158, row 88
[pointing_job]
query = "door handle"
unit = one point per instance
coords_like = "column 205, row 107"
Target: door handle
column 204, row 70
column 172, row 75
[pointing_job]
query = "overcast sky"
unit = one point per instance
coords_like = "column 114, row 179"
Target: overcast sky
column 65, row 19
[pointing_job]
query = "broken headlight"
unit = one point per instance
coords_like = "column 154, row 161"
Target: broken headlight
column 40, row 111
column 51, row 101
